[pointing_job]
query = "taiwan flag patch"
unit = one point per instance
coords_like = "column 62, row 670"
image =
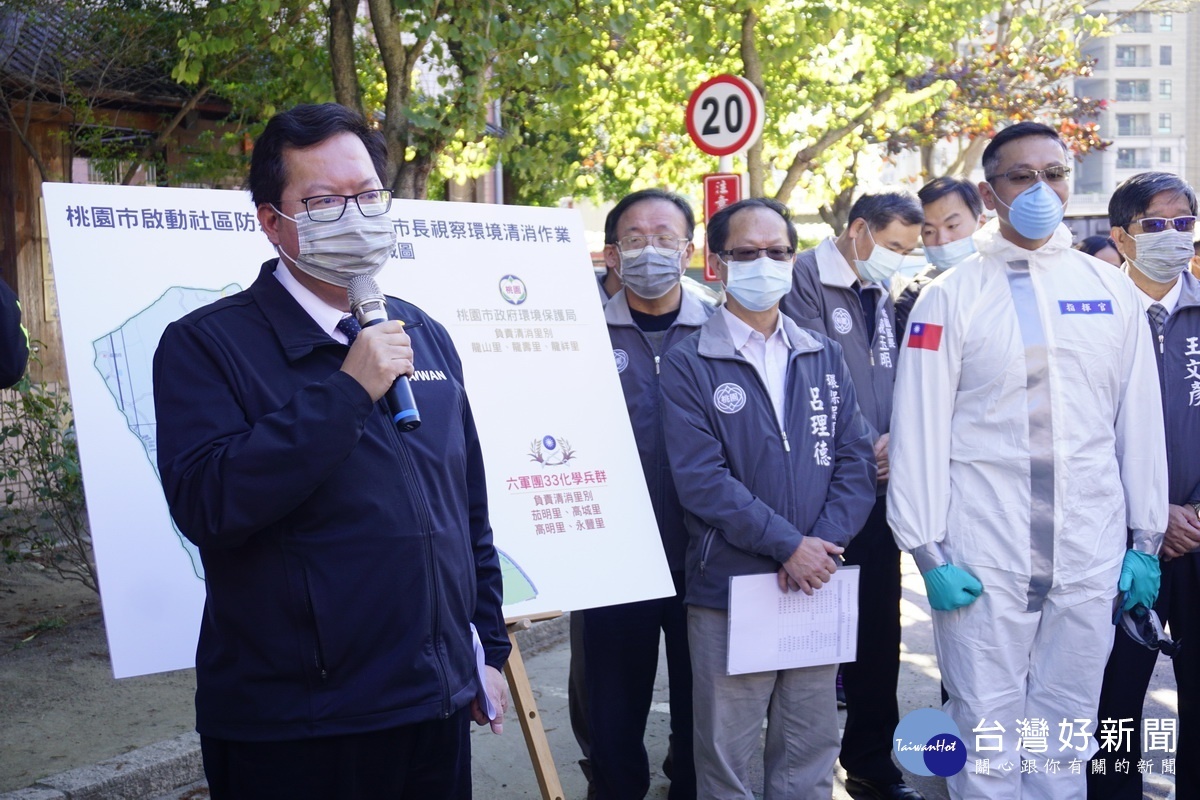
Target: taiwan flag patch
column 925, row 336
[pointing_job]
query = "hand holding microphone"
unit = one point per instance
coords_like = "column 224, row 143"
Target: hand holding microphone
column 381, row 357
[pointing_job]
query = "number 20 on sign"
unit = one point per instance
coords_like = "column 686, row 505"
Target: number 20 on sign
column 725, row 115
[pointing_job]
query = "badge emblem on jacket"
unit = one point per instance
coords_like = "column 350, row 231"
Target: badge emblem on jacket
column 622, row 359
column 729, row 398
column 842, row 321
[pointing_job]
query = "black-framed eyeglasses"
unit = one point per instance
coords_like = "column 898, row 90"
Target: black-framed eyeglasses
column 751, row 253
column 1159, row 224
column 634, row 245
column 330, row 207
column 1026, row 177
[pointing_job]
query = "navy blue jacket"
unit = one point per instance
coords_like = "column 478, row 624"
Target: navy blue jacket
column 1179, row 375
column 639, row 368
column 752, row 491
column 837, row 312
column 343, row 560
column 14, row 339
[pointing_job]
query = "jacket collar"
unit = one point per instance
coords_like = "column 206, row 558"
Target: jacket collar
column 989, row 240
column 832, row 266
column 1190, row 293
column 716, row 341
column 298, row 332
column 691, row 310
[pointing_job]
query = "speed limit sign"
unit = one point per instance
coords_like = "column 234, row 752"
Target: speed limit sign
column 725, row 115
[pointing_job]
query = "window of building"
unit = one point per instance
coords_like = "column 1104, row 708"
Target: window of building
column 1133, row 158
column 1164, row 55
column 1164, row 155
column 1133, row 124
column 1164, row 89
column 1133, row 90
column 1164, row 123
column 1166, row 23
column 1138, row 22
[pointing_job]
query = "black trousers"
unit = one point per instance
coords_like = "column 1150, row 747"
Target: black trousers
column 1127, row 677
column 621, row 662
column 413, row 762
column 872, row 711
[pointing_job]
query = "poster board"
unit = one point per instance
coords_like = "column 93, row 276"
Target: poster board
column 514, row 287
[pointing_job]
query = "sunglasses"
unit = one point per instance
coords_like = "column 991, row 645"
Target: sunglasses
column 1158, row 224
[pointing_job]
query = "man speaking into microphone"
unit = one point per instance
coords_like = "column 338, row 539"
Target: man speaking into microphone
column 347, row 556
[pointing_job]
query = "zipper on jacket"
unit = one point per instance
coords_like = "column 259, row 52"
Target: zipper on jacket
column 1160, row 343
column 658, row 360
column 709, row 535
column 787, row 447
column 426, row 540
column 318, row 650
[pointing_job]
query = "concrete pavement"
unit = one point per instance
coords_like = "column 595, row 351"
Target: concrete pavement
column 170, row 770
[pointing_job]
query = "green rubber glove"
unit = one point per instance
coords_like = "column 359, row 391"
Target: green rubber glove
column 1140, row 578
column 949, row 587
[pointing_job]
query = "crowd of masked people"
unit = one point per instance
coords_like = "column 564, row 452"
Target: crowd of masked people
column 1018, row 415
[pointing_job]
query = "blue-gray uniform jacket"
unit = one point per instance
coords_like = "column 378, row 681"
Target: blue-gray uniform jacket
column 344, row 561
column 836, row 311
column 752, row 490
column 1179, row 374
column 639, row 367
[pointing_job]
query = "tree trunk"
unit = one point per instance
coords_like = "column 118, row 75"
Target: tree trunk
column 398, row 63
column 808, row 155
column 752, row 67
column 160, row 141
column 341, row 53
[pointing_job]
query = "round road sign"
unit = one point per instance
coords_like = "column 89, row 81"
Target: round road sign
column 725, row 115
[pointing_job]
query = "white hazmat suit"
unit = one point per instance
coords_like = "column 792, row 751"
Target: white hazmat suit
column 1027, row 434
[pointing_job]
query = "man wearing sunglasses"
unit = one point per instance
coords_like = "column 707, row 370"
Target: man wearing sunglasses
column 1027, row 438
column 1153, row 219
column 839, row 288
column 345, row 562
column 775, row 470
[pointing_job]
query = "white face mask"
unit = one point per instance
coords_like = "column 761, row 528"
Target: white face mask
column 335, row 252
column 1162, row 256
column 945, row 256
column 881, row 264
column 759, row 284
column 651, row 273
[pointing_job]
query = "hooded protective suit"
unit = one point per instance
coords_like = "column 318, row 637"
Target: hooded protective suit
column 1027, row 434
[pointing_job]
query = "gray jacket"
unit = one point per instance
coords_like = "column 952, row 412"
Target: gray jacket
column 639, row 368
column 837, row 312
column 751, row 490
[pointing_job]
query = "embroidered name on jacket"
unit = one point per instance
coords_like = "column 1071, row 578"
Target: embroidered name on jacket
column 1085, row 307
column 427, row 375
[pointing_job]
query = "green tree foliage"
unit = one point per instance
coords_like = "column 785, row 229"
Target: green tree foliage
column 93, row 56
column 442, row 67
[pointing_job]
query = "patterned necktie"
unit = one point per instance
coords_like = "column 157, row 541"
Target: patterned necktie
column 1158, row 317
column 350, row 327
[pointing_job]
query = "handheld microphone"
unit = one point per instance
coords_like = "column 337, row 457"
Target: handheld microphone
column 370, row 308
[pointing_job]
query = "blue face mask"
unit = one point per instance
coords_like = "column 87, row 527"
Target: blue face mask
column 945, row 256
column 1036, row 212
column 759, row 284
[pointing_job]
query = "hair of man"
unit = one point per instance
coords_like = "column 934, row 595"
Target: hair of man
column 718, row 225
column 301, row 127
column 881, row 210
column 614, row 217
column 1131, row 199
column 1022, row 130
column 938, row 188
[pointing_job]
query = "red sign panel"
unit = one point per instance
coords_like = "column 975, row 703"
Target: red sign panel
column 720, row 190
